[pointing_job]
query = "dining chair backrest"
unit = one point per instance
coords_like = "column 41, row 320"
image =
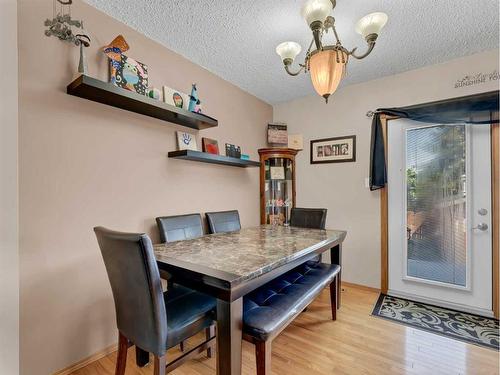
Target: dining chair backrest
column 314, row 218
column 223, row 221
column 181, row 227
column 136, row 286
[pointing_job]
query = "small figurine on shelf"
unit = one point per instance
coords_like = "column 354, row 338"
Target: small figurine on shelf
column 194, row 102
column 154, row 93
column 83, row 41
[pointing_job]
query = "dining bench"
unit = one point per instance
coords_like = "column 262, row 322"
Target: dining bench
column 269, row 309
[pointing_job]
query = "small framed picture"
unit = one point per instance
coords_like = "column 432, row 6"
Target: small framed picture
column 210, row 146
column 333, row 150
column 176, row 98
column 277, row 135
column 233, row 151
column 277, row 173
column 295, row 142
column 186, row 141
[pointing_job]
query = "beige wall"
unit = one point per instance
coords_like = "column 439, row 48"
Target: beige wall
column 84, row 164
column 341, row 187
column 9, row 259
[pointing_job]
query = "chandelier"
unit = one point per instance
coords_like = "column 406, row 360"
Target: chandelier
column 327, row 64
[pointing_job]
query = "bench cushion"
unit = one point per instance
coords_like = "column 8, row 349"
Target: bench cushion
column 270, row 308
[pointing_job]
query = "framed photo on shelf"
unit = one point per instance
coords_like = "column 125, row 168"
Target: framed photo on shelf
column 333, row 150
column 210, row 146
column 176, row 98
column 186, row 141
column 277, row 135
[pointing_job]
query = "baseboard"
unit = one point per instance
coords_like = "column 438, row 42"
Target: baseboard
column 84, row 362
column 359, row 286
column 447, row 305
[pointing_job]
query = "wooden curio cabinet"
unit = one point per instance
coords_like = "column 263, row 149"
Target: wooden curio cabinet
column 277, row 185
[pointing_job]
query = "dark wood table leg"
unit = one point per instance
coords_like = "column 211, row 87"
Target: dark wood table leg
column 336, row 258
column 229, row 336
column 141, row 357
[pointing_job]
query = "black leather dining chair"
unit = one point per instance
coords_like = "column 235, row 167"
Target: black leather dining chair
column 147, row 317
column 223, row 221
column 308, row 217
column 180, row 227
column 314, row 218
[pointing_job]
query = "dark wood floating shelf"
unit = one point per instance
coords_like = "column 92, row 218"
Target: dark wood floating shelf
column 205, row 157
column 103, row 92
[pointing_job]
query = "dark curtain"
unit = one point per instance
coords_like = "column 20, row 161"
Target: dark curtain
column 473, row 109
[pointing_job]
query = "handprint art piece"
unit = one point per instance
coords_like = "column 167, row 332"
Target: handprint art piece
column 186, row 141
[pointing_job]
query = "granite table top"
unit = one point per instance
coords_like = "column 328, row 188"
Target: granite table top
column 250, row 252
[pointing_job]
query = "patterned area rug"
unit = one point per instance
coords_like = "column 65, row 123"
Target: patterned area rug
column 457, row 325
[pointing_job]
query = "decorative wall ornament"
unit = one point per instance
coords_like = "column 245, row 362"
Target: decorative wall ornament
column 61, row 25
column 477, row 79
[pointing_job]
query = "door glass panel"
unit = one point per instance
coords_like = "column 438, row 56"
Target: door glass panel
column 436, row 223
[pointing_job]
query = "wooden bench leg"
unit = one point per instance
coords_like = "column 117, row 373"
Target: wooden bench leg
column 333, row 297
column 209, row 333
column 121, row 361
column 160, row 365
column 263, row 357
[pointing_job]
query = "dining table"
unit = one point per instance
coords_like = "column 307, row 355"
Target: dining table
column 228, row 266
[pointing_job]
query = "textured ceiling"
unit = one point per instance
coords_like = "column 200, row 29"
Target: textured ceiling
column 236, row 39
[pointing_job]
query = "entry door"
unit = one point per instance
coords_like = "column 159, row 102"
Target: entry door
column 439, row 189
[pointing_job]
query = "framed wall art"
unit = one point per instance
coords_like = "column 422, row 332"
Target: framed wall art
column 176, row 98
column 333, row 150
column 277, row 135
column 210, row 145
column 186, row 141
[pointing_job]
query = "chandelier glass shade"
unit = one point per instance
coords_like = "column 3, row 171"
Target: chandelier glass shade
column 371, row 24
column 327, row 68
column 327, row 64
column 316, row 10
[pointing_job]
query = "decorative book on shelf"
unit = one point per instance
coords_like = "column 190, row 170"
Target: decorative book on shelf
column 106, row 93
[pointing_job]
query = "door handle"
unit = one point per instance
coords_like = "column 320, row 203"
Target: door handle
column 483, row 227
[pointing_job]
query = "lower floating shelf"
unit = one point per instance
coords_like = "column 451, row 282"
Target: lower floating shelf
column 205, row 157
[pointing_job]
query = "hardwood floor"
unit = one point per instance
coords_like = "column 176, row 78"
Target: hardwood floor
column 356, row 343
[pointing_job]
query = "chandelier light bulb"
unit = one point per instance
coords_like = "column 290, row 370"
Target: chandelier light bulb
column 316, row 10
column 371, row 24
column 288, row 50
